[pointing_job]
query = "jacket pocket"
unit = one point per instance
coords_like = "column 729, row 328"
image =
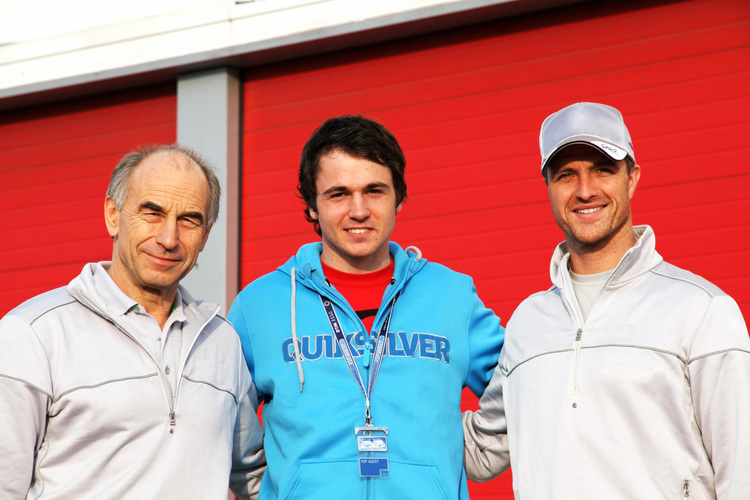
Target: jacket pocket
column 324, row 480
column 340, row 479
column 412, row 481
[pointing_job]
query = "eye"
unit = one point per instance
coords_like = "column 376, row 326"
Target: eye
column 191, row 222
column 337, row 195
column 151, row 216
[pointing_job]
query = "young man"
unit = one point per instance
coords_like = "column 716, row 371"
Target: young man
column 120, row 385
column 629, row 378
column 360, row 349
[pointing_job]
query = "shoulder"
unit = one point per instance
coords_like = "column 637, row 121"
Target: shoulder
column 542, row 302
column 45, row 303
column 439, row 272
column 270, row 283
column 552, row 293
column 688, row 281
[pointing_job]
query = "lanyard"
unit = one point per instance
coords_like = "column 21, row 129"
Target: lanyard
column 349, row 358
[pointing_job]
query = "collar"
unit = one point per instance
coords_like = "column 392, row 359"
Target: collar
column 121, row 304
column 639, row 259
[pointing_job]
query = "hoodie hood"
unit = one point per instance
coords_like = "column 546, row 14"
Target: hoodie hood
column 308, row 269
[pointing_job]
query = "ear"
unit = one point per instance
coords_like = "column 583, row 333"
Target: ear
column 398, row 207
column 111, row 217
column 633, row 178
column 313, row 213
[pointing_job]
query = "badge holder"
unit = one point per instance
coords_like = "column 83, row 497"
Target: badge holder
column 372, row 448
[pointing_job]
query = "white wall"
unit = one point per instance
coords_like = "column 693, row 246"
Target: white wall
column 48, row 44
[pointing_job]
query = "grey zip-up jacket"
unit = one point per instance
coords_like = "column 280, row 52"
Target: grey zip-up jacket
column 86, row 411
column 649, row 398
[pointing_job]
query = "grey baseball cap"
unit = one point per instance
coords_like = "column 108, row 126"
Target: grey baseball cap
column 597, row 125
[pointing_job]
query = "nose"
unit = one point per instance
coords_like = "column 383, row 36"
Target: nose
column 358, row 209
column 167, row 235
column 586, row 188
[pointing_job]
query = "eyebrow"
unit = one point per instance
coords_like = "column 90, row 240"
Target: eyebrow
column 155, row 207
column 150, row 205
column 338, row 189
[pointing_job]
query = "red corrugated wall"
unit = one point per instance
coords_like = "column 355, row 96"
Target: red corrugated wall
column 55, row 164
column 466, row 106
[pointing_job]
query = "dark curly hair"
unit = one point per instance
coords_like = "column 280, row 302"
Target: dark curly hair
column 358, row 137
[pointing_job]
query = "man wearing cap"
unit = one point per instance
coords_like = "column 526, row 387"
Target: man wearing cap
column 629, row 378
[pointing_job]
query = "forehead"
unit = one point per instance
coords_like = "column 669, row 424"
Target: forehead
column 169, row 178
column 338, row 168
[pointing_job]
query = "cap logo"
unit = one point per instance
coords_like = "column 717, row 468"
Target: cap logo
column 612, row 151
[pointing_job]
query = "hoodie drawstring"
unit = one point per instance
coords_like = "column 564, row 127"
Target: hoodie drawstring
column 297, row 357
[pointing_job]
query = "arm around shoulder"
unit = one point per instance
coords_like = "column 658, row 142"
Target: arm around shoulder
column 248, row 457
column 486, row 450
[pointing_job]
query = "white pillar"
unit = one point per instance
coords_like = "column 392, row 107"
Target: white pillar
column 208, row 120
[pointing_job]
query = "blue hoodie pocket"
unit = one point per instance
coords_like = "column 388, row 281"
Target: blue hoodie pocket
column 324, row 480
column 410, row 480
column 340, row 479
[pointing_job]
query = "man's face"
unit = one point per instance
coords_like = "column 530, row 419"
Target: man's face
column 590, row 196
column 161, row 227
column 356, row 210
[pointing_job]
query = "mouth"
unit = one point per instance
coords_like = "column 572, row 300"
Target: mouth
column 357, row 230
column 164, row 261
column 588, row 210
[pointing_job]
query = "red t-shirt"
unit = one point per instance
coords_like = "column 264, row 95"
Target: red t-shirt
column 364, row 292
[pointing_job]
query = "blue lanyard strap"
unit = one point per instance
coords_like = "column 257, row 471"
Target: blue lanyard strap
column 349, row 358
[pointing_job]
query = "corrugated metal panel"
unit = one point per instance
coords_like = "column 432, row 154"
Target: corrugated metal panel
column 55, row 163
column 466, row 106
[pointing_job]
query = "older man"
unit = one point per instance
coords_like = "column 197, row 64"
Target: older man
column 121, row 385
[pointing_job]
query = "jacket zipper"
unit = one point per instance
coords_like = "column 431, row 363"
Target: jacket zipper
column 579, row 317
column 170, row 403
column 686, row 489
column 172, row 422
column 320, row 289
column 576, row 352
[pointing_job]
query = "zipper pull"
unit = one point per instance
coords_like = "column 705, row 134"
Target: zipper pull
column 366, row 356
column 579, row 334
column 686, row 489
column 171, row 421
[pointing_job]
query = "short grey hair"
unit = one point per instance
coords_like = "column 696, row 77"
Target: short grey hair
column 118, row 184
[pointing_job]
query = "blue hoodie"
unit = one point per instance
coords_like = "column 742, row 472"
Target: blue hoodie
column 441, row 339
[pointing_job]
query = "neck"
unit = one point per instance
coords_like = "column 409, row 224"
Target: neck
column 586, row 259
column 159, row 307
column 156, row 302
column 366, row 264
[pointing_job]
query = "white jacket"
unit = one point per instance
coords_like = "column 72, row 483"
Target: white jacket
column 649, row 398
column 86, row 411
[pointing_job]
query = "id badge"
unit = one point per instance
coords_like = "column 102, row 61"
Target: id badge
column 372, row 450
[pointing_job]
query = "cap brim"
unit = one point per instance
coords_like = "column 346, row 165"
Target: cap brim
column 612, row 151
